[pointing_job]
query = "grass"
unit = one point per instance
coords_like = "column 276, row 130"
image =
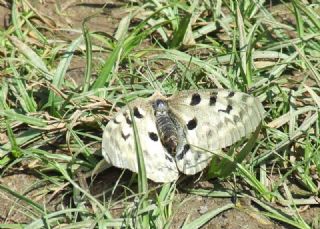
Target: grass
column 51, row 125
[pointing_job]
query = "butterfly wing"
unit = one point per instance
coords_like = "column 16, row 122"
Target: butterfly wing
column 212, row 120
column 118, row 146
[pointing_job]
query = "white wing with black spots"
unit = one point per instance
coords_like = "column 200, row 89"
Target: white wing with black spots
column 180, row 132
column 118, row 146
column 212, row 120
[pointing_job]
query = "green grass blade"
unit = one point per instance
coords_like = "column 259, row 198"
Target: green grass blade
column 12, row 115
column 88, row 43
column 61, row 70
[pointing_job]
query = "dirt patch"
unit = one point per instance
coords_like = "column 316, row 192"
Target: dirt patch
column 11, row 208
column 242, row 217
column 185, row 206
column 65, row 21
column 71, row 14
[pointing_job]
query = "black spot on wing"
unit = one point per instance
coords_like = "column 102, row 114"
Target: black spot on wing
column 192, row 124
column 184, row 151
column 125, row 136
column 153, row 136
column 169, row 158
column 213, row 100
column 195, row 99
column 231, row 94
column 227, row 110
column 137, row 113
column 129, row 122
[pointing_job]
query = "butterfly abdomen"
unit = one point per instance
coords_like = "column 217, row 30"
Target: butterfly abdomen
column 166, row 126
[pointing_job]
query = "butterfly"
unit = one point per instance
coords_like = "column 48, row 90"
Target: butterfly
column 173, row 131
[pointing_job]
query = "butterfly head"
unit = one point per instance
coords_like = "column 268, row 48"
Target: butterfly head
column 160, row 107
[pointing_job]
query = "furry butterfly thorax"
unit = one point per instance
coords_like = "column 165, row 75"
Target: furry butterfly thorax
column 173, row 130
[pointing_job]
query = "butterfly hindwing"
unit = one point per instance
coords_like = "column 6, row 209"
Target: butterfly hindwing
column 118, row 146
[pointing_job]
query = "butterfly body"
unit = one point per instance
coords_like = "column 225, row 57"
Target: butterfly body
column 173, row 131
column 166, row 126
